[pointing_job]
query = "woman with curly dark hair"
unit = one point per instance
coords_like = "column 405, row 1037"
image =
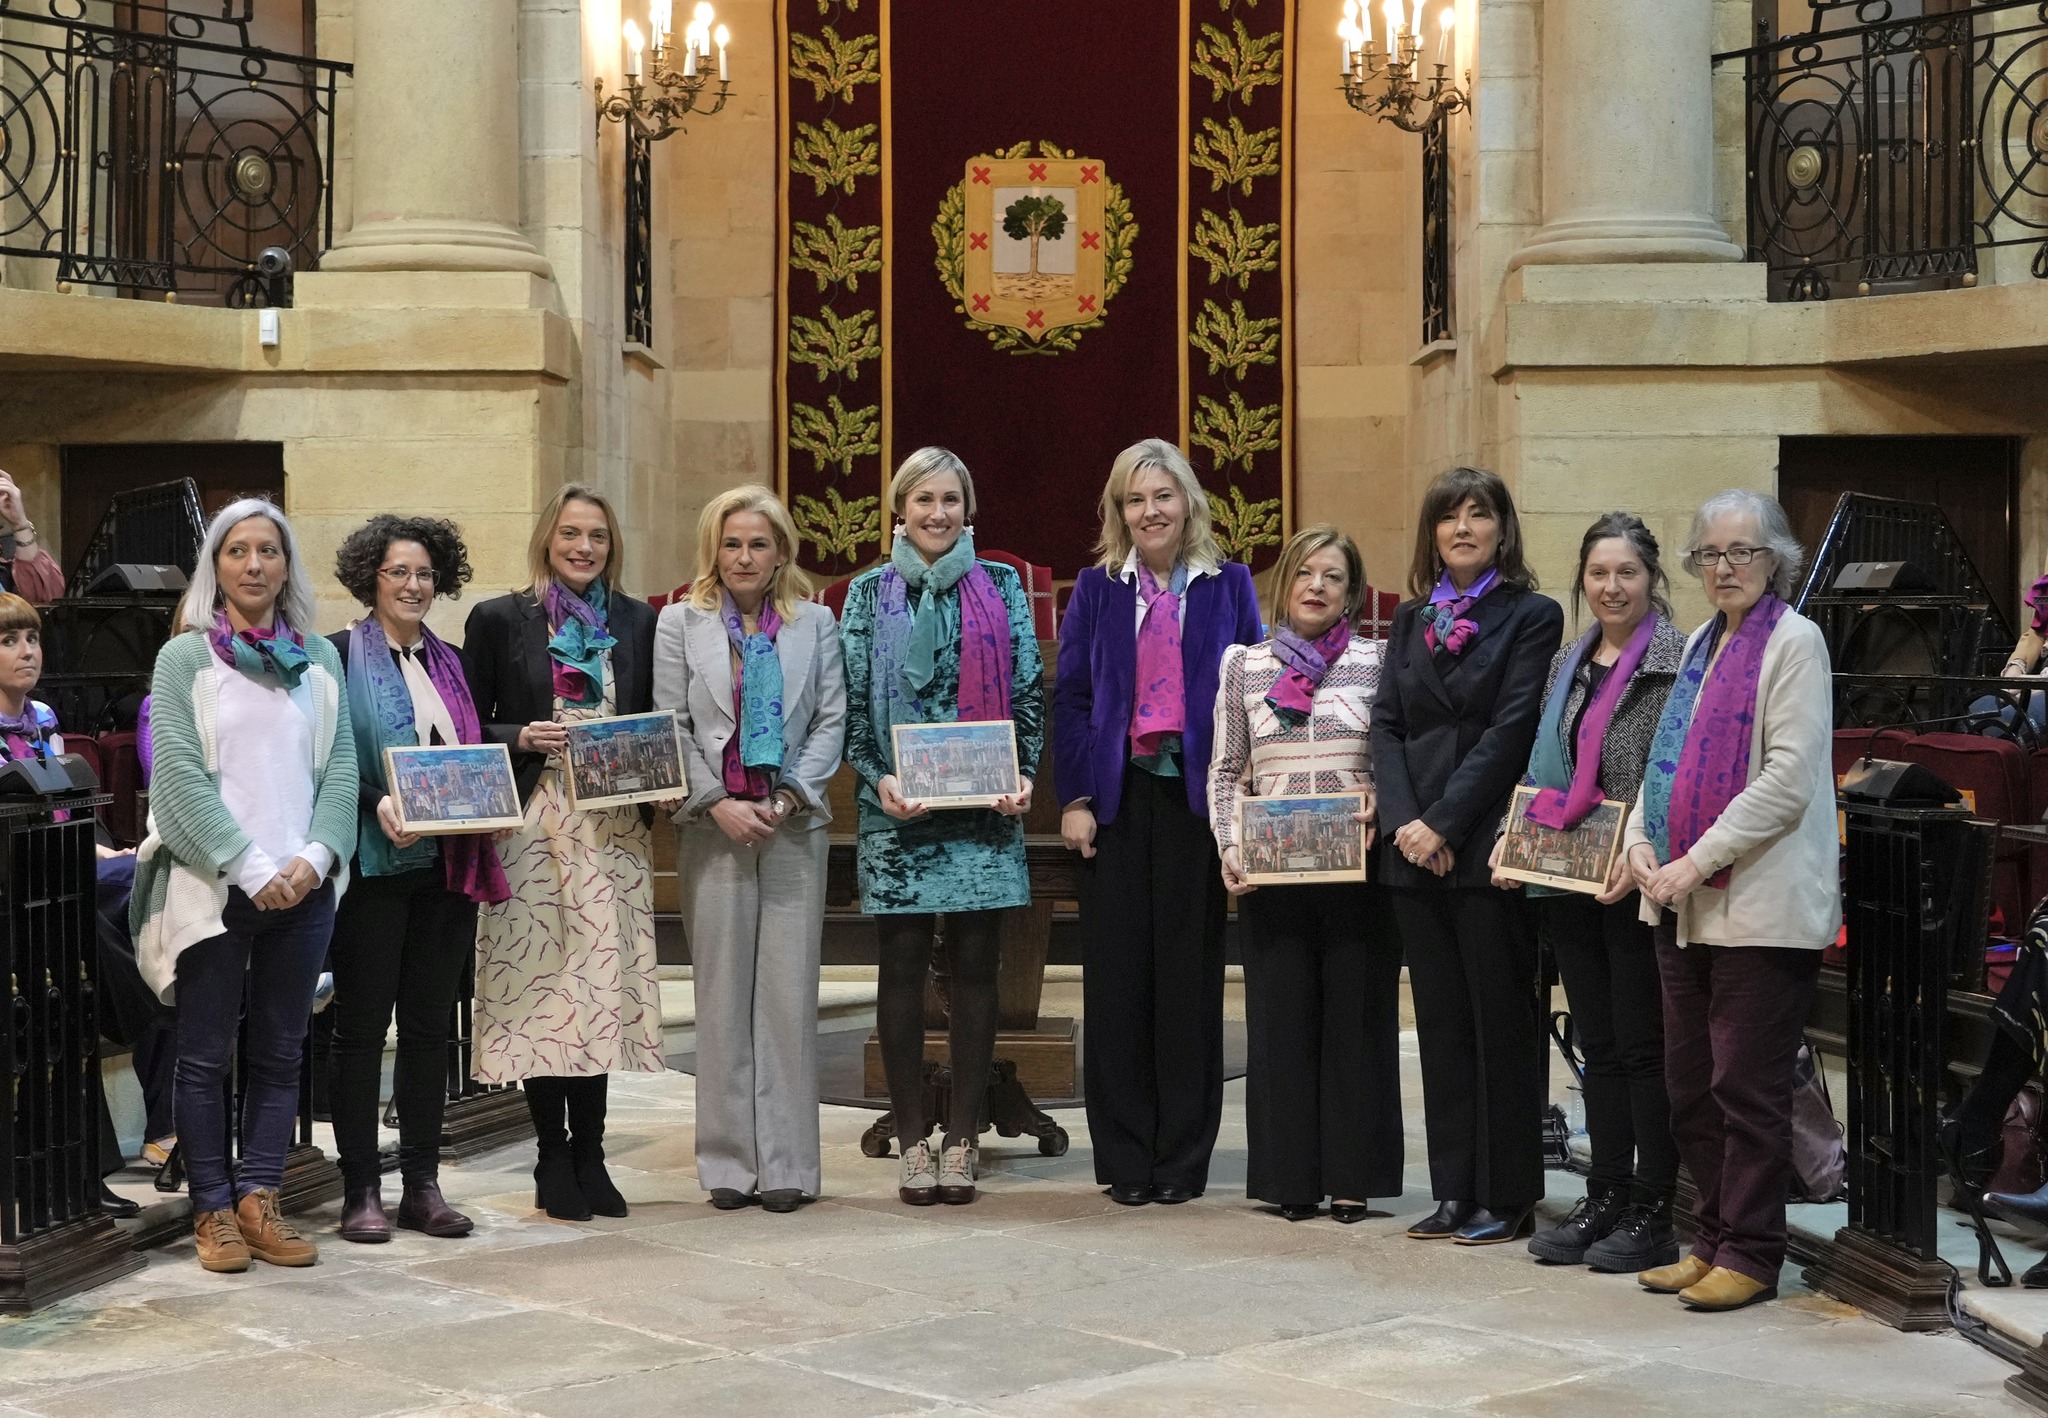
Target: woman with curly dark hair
column 406, row 929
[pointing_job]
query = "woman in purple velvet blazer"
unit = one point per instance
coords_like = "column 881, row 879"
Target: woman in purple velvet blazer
column 1133, row 706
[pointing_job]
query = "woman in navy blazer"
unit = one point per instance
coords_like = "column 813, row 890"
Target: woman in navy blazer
column 1131, row 764
column 1459, row 697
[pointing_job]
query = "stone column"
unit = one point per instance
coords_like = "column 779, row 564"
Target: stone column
column 1628, row 134
column 436, row 140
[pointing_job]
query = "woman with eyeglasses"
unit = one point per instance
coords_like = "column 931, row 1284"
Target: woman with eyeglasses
column 1733, row 844
column 567, row 989
column 405, row 933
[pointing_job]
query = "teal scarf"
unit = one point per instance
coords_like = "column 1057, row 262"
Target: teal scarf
column 756, row 744
column 929, row 582
column 581, row 638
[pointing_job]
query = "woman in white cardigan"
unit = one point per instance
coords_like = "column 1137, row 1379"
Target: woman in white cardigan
column 1733, row 843
column 754, row 674
column 1322, row 961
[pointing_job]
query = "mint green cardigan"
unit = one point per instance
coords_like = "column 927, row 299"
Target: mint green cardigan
column 181, row 883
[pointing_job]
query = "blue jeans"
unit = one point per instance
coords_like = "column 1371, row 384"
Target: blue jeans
column 270, row 962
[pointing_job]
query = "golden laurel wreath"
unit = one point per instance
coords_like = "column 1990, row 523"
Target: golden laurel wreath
column 949, row 232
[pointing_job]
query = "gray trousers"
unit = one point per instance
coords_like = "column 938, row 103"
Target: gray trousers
column 756, row 916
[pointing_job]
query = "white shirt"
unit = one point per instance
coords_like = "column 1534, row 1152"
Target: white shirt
column 429, row 711
column 266, row 774
column 1130, row 575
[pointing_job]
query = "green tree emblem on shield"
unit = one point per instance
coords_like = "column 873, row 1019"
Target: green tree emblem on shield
column 1033, row 219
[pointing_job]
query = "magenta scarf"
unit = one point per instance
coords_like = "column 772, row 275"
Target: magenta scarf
column 2037, row 600
column 1293, row 695
column 984, row 649
column 1447, row 624
column 1159, row 708
column 1565, row 808
column 1691, row 780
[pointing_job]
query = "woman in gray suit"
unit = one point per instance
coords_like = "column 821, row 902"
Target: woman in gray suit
column 755, row 676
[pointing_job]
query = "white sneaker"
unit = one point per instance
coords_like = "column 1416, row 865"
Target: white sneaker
column 956, row 1174
column 919, row 1185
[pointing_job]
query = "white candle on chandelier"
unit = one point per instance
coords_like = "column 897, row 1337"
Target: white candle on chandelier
column 1397, row 24
column 659, row 15
column 1450, row 21
column 723, row 36
column 690, row 53
column 633, row 45
column 1344, row 38
column 1415, row 25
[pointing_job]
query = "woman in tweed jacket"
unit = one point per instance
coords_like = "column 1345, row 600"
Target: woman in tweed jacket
column 1322, row 961
column 1604, row 952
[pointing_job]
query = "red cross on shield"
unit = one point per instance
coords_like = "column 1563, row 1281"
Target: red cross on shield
column 977, row 241
column 1091, row 172
column 1087, row 305
column 981, row 174
column 1091, row 241
column 981, row 304
column 1037, row 171
column 1034, row 319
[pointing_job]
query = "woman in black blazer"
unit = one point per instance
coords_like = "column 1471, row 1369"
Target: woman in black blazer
column 1453, row 723
column 566, row 988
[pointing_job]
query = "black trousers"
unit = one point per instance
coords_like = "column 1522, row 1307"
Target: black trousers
column 400, row 941
column 1322, row 1004
column 1607, row 959
column 974, row 964
column 1472, row 971
column 1152, row 911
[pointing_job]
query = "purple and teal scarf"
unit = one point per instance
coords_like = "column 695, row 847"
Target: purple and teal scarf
column 1562, row 801
column 1293, row 695
column 909, row 641
column 1448, row 624
column 581, row 638
column 1699, row 760
column 1159, row 707
column 278, row 653
column 2037, row 601
column 753, row 755
column 380, row 715
column 27, row 734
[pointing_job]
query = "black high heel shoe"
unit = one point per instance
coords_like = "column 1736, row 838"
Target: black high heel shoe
column 555, row 1189
column 1485, row 1228
column 1444, row 1222
column 1349, row 1213
column 1305, row 1211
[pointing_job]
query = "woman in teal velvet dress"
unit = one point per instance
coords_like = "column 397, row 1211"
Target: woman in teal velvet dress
column 937, row 636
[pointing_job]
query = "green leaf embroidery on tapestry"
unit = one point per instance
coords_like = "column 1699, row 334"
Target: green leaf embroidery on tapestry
column 1243, row 527
column 1237, row 63
column 833, row 65
column 834, row 346
column 1223, row 5
column 1237, row 433
column 1235, row 250
column 835, row 433
column 1234, row 340
column 825, row 6
column 839, row 526
column 835, row 253
column 832, row 156
column 1235, row 154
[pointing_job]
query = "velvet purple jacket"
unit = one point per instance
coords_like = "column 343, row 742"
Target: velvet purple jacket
column 1098, row 672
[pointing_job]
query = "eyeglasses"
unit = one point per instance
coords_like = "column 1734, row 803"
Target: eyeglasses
column 1735, row 556
column 398, row 576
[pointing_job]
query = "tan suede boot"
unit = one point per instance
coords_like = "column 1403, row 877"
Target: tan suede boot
column 221, row 1247
column 1724, row 1289
column 1670, row 1279
column 268, row 1235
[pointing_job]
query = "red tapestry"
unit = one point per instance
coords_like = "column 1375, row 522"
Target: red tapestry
column 1034, row 234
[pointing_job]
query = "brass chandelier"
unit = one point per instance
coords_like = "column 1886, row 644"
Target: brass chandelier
column 675, row 84
column 1392, row 85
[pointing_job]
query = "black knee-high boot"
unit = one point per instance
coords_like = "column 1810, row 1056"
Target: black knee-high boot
column 586, row 1144
column 555, row 1189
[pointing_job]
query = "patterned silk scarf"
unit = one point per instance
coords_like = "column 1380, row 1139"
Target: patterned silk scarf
column 580, row 640
column 910, row 641
column 27, row 734
column 1159, row 708
column 277, row 653
column 1293, row 695
column 381, row 716
column 2037, row 599
column 753, row 755
column 1699, row 760
column 1562, row 802
column 1449, row 626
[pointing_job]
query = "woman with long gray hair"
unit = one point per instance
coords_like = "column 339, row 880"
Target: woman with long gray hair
column 1733, row 844
column 252, row 821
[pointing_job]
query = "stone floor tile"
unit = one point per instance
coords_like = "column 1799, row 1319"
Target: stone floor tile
column 341, row 1307
column 1656, row 1390
column 1421, row 1276
column 817, row 1232
column 1614, row 1313
column 263, row 1386
column 972, row 1357
column 1198, row 1388
column 748, row 1307
column 981, row 1271
column 1857, row 1358
column 585, row 1269
column 1422, row 1361
column 722, row 1388
column 1002, row 1205
column 1179, row 1236
column 507, row 1354
column 65, row 1345
column 1204, row 1315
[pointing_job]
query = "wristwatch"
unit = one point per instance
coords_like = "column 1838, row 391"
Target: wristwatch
column 783, row 803
column 24, row 535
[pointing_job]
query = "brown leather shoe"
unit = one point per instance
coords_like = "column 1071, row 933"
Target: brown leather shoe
column 1724, row 1289
column 362, row 1215
column 268, row 1235
column 424, row 1209
column 1670, row 1279
column 220, row 1242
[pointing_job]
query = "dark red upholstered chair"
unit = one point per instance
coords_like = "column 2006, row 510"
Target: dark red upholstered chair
column 1993, row 773
column 1376, row 616
column 122, row 779
column 1037, row 587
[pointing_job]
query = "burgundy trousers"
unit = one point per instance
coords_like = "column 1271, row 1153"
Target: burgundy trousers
column 1733, row 1016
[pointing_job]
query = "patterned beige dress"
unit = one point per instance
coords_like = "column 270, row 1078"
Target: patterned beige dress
column 566, row 983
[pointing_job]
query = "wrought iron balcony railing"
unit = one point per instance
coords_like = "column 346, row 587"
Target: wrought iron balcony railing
column 1903, row 152
column 164, row 158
